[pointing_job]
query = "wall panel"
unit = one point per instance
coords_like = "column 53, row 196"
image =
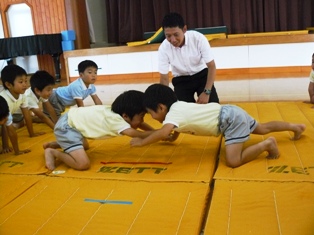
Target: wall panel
column 48, row 18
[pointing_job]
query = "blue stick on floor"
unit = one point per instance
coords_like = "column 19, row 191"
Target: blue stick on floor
column 108, row 201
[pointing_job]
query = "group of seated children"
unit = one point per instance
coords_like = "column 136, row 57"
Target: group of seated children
column 124, row 117
column 311, row 84
column 22, row 98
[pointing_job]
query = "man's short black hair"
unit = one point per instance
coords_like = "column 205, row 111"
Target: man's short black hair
column 85, row 64
column 173, row 20
column 41, row 79
column 4, row 111
column 129, row 103
column 159, row 94
column 10, row 72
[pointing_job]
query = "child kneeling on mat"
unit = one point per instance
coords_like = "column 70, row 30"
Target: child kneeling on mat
column 211, row 119
column 123, row 117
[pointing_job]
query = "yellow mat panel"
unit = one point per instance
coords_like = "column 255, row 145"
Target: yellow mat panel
column 244, row 207
column 279, row 33
column 30, row 163
column 81, row 206
column 190, row 158
column 12, row 186
column 296, row 161
column 156, row 38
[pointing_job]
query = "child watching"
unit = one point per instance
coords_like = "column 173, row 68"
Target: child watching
column 98, row 121
column 14, row 81
column 7, row 129
column 38, row 93
column 211, row 119
column 311, row 84
column 78, row 90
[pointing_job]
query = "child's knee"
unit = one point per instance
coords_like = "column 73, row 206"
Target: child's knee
column 234, row 164
column 85, row 165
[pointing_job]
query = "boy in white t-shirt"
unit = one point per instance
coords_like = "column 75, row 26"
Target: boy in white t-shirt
column 211, row 119
column 72, row 130
column 14, row 81
column 38, row 93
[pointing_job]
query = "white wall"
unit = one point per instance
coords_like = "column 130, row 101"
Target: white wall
column 251, row 56
column 20, row 24
column 96, row 13
column 2, row 62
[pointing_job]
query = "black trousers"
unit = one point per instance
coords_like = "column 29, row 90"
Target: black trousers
column 185, row 87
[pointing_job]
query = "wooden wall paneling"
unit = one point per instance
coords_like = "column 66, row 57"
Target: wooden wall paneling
column 61, row 15
column 48, row 17
column 53, row 18
column 38, row 17
column 76, row 16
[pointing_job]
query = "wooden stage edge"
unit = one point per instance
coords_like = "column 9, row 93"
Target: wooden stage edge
column 223, row 42
column 221, row 75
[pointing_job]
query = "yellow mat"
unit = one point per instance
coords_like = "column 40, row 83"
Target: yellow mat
column 12, row 186
column 163, row 188
column 30, row 163
column 190, row 158
column 279, row 33
column 80, row 206
column 296, row 162
column 157, row 37
column 243, row 207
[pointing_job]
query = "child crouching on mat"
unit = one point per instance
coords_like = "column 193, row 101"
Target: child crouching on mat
column 211, row 119
column 311, row 84
column 123, row 117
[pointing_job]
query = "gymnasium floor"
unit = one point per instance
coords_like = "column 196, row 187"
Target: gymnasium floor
column 179, row 188
column 246, row 88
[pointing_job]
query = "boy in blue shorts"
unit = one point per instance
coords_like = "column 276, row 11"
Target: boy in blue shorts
column 77, row 91
column 123, row 117
column 211, row 119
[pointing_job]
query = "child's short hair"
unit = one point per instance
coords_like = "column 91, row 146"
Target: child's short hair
column 85, row 64
column 173, row 20
column 41, row 79
column 159, row 94
column 129, row 103
column 4, row 111
column 10, row 72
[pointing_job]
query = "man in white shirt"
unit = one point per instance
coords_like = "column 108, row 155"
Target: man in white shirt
column 191, row 59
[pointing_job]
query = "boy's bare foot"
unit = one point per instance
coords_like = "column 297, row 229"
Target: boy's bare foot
column 50, row 159
column 299, row 129
column 53, row 145
column 272, row 149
